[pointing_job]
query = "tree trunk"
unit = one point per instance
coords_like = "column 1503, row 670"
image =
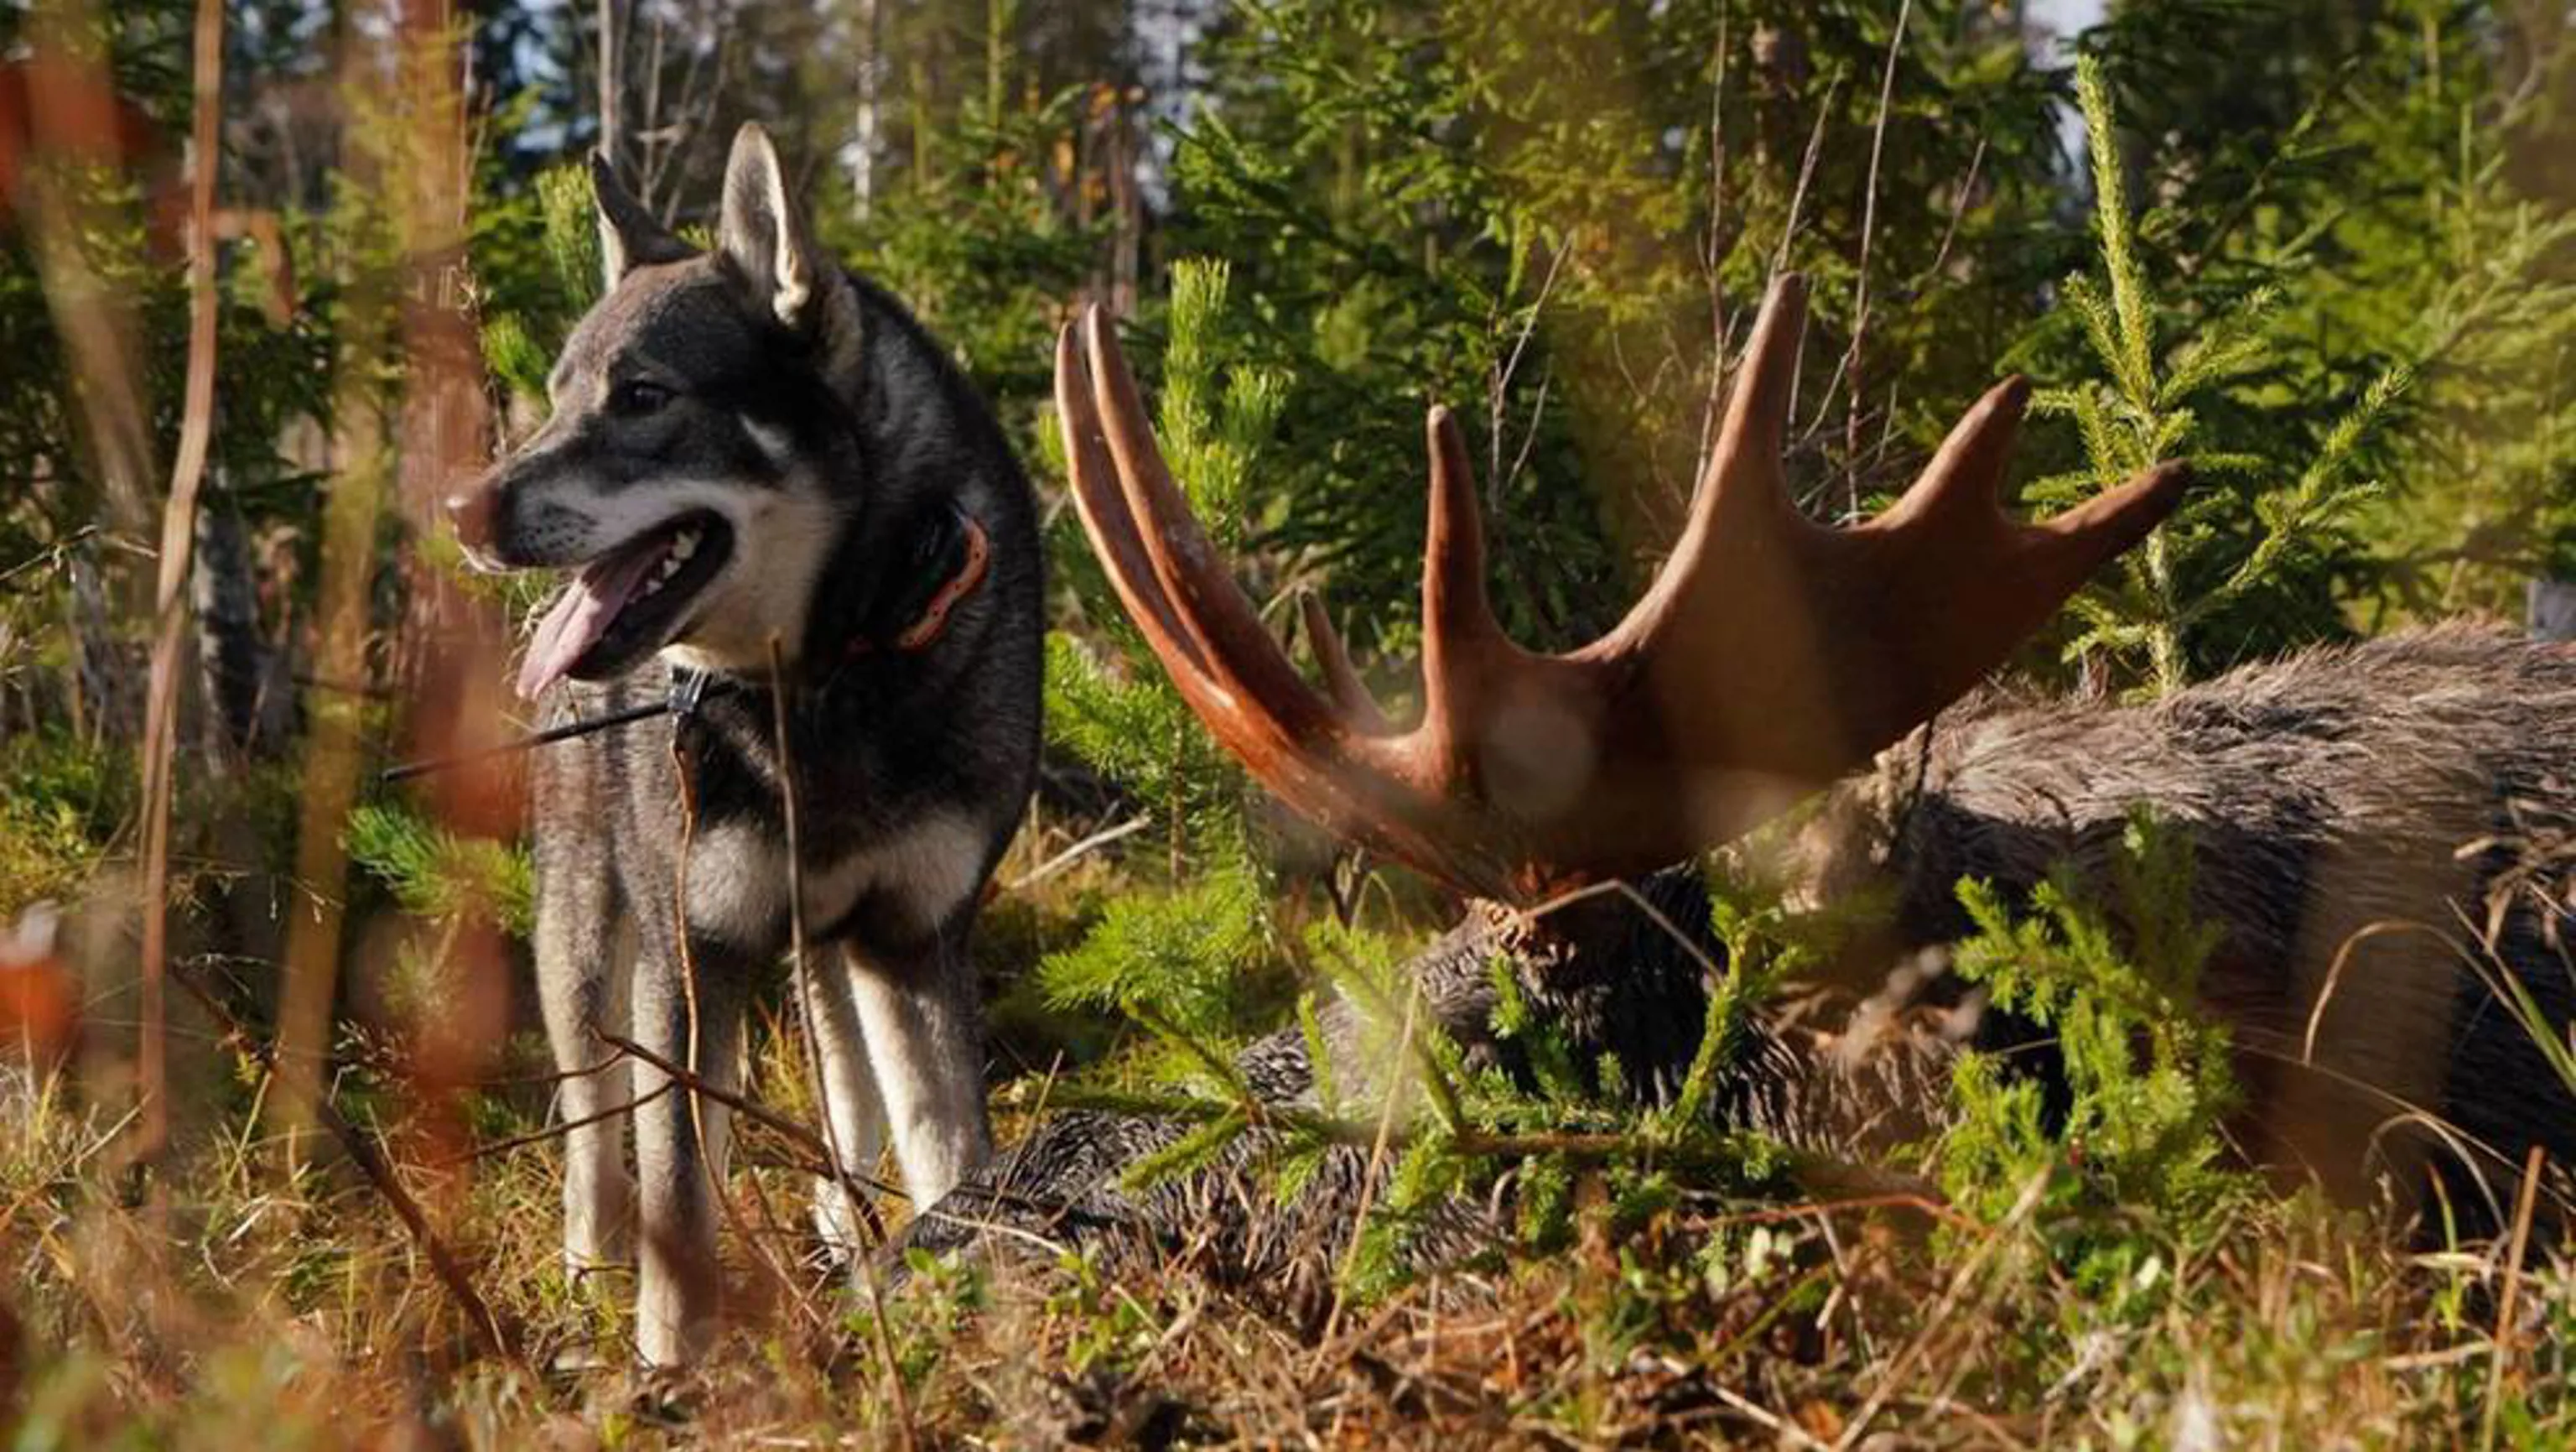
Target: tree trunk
column 2552, row 613
column 232, row 660
column 103, row 705
column 863, row 146
column 612, row 70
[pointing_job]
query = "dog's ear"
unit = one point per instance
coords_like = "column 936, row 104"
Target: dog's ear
column 629, row 235
column 764, row 236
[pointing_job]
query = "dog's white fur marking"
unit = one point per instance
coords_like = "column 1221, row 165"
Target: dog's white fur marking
column 934, row 865
column 850, row 1097
column 773, row 442
column 931, row 1077
column 598, row 1189
column 737, row 884
column 738, row 877
column 677, row 1279
column 791, row 531
column 794, row 287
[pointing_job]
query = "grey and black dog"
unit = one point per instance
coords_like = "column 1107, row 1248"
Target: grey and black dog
column 748, row 446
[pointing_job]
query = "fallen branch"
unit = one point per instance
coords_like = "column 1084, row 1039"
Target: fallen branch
column 551, row 1131
column 751, row 1109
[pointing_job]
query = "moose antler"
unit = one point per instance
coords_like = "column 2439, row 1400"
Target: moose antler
column 1771, row 654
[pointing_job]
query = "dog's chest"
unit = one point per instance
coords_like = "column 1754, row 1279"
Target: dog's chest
column 738, row 883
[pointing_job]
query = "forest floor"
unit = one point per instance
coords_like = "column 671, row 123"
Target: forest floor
column 228, row 1301
column 229, row 1298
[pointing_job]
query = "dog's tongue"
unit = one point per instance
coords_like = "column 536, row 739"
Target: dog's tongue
column 580, row 617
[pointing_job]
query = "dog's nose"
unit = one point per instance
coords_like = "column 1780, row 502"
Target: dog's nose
column 471, row 508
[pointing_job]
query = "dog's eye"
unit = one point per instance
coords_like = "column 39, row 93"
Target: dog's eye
column 636, row 396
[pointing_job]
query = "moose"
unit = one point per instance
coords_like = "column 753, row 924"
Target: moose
column 2384, row 833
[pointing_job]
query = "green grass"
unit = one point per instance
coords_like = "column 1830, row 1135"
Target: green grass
column 61, row 808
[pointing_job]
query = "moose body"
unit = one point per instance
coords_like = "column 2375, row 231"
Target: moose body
column 2380, row 831
column 2327, row 798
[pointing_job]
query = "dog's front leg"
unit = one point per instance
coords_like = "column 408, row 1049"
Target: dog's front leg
column 680, row 1141
column 585, row 954
column 925, row 1039
column 857, row 1115
column 583, row 970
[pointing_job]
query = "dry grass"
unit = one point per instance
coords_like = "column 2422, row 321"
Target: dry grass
column 221, row 1307
column 227, row 1301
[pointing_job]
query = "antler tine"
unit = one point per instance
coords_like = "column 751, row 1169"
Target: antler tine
column 1348, row 691
column 1211, row 642
column 1740, row 488
column 1461, row 642
column 1240, row 656
column 1955, row 556
column 1104, row 511
column 2063, row 550
column 1960, row 491
column 1757, row 408
column 1958, row 499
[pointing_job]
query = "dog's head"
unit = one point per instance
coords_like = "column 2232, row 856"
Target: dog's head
column 699, row 411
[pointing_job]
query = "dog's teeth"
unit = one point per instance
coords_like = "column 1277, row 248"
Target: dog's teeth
column 685, row 546
column 670, row 566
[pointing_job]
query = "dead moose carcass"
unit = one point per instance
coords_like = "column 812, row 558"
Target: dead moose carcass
column 2380, row 830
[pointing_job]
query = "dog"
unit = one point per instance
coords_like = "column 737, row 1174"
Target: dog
column 753, row 450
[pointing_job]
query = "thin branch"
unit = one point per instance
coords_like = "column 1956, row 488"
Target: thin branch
column 1958, row 213
column 860, row 1206
column 2532, row 1166
column 1854, row 359
column 1713, row 253
column 1369, row 1181
column 1806, row 173
column 551, row 1131
column 751, row 1109
column 1502, row 383
column 1951, row 1296
column 1079, row 850
column 178, row 538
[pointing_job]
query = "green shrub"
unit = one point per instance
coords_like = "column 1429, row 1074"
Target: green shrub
column 2112, row 972
column 58, row 816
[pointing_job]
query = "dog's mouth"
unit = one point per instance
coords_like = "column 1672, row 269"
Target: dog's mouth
column 627, row 603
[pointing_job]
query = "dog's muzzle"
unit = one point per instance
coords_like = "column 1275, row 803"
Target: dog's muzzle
column 475, row 511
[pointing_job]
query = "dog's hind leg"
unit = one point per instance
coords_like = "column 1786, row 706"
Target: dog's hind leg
column 680, row 1155
column 849, row 1089
column 925, row 1039
column 585, row 956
